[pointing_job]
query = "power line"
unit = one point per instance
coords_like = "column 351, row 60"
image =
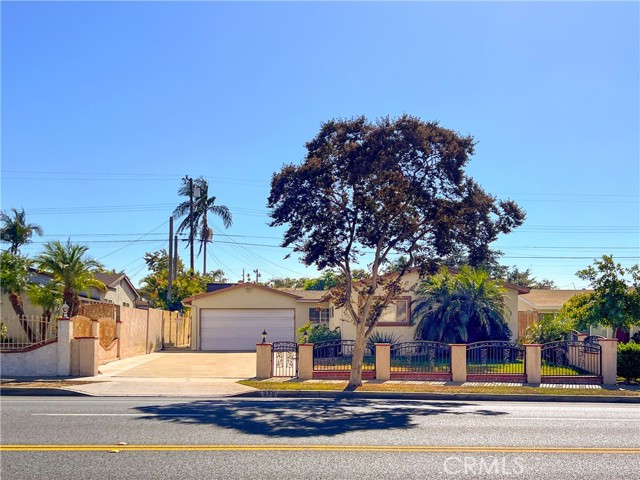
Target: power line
column 131, row 243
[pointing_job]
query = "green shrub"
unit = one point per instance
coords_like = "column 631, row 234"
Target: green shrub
column 550, row 328
column 629, row 361
column 381, row 337
column 318, row 333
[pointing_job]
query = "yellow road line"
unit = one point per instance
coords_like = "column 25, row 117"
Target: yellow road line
column 317, row 448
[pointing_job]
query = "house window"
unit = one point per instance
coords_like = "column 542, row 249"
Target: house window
column 398, row 312
column 319, row 316
column 126, row 304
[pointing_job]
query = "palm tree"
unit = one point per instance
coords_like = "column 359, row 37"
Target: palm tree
column 49, row 298
column 16, row 230
column 67, row 264
column 202, row 206
column 14, row 275
column 467, row 307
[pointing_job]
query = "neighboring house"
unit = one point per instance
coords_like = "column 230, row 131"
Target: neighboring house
column 540, row 302
column 546, row 301
column 120, row 290
column 232, row 317
column 396, row 318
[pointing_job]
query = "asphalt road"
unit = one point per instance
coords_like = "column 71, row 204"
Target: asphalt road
column 85, row 438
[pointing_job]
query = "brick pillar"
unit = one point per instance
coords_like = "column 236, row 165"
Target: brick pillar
column 263, row 361
column 65, row 334
column 533, row 362
column 459, row 362
column 582, row 336
column 609, row 360
column 305, row 361
column 383, row 361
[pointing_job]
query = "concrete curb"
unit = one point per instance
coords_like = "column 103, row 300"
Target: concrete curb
column 478, row 397
column 39, row 392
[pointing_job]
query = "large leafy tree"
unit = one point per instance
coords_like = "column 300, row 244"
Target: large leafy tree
column 378, row 190
column 461, row 308
column 155, row 286
column 203, row 205
column 16, row 231
column 14, row 277
column 526, row 279
column 614, row 301
column 68, row 264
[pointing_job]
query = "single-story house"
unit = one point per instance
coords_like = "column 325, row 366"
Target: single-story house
column 540, row 302
column 396, row 318
column 232, row 317
column 120, row 290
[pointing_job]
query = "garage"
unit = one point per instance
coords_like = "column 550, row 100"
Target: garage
column 227, row 329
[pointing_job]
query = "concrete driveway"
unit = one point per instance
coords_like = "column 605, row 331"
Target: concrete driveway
column 185, row 364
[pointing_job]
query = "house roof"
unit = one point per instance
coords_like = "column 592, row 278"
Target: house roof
column 113, row 279
column 549, row 299
column 305, row 295
column 189, row 300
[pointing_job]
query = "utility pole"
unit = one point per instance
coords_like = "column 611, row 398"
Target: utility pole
column 170, row 264
column 257, row 274
column 189, row 181
column 175, row 257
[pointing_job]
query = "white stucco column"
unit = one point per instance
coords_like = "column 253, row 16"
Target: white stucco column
column 533, row 361
column 65, row 334
column 305, row 361
column 459, row 362
column 383, row 361
column 609, row 360
column 263, row 360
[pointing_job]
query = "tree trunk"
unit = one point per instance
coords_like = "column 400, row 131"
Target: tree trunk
column 355, row 379
column 71, row 299
column 18, row 307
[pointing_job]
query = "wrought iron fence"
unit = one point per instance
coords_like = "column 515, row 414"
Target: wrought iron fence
column 495, row 358
column 336, row 355
column 284, row 359
column 572, row 336
column 420, row 357
column 21, row 332
column 564, row 358
column 589, row 343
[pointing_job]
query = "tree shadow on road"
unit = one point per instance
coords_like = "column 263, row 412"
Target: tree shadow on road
column 304, row 418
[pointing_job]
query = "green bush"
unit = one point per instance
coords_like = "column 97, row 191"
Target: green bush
column 318, row 333
column 550, row 328
column 629, row 361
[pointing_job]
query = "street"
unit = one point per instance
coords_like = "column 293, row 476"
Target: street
column 81, row 438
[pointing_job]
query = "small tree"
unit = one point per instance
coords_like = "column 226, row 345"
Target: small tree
column 461, row 308
column 381, row 190
column 614, row 301
column 49, row 298
column 550, row 328
column 68, row 264
column 14, row 275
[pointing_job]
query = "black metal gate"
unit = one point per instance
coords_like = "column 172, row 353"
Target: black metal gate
column 284, row 359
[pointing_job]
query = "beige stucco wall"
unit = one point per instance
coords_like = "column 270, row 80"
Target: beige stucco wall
column 108, row 355
column 251, row 298
column 154, row 332
column 41, row 361
column 341, row 317
column 133, row 332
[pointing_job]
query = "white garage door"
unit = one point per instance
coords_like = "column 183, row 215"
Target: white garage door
column 240, row 329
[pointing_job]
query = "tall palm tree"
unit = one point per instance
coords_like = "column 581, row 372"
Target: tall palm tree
column 67, row 264
column 467, row 307
column 202, row 206
column 16, row 231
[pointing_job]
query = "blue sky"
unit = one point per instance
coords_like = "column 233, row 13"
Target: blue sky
column 106, row 106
